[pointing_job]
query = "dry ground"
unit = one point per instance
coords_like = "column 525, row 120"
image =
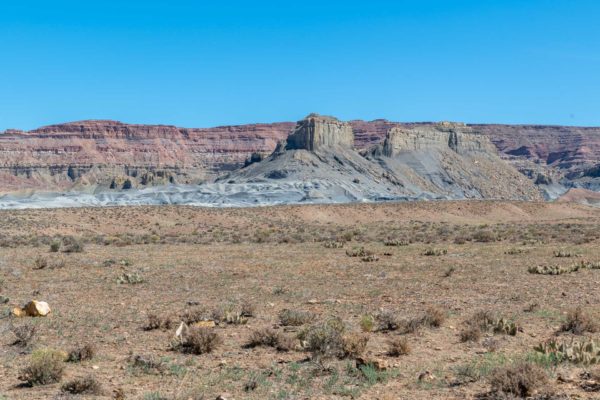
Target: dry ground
column 275, row 258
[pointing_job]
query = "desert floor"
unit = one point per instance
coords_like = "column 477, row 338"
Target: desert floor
column 216, row 262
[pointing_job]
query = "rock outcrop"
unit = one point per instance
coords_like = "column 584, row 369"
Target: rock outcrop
column 443, row 161
column 98, row 154
column 317, row 132
column 446, row 135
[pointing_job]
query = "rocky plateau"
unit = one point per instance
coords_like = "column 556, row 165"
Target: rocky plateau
column 318, row 159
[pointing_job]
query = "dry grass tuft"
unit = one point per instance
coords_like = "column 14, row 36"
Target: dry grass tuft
column 295, row 317
column 398, row 346
column 86, row 385
column 82, row 353
column 354, row 345
column 270, row 338
column 199, row 341
column 521, row 380
column 24, row 334
column 158, row 322
column 579, row 322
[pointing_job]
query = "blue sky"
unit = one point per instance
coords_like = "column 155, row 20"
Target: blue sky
column 196, row 63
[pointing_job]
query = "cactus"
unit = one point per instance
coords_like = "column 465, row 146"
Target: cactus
column 358, row 252
column 391, row 242
column 554, row 269
column 514, row 251
column 559, row 270
column 584, row 352
column 505, row 327
column 370, row 258
column 435, row 252
column 564, row 253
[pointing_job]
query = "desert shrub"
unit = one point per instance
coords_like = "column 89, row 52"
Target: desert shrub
column 55, row 246
column 461, row 239
column 470, row 333
column 194, row 314
column 398, row 346
column 157, row 322
column 353, row 345
column 295, row 317
column 24, row 334
column 388, row 321
column 40, row 262
column 270, row 338
column 484, row 321
column 325, row 339
column 85, row 385
column 71, row 245
column 199, row 341
column 147, row 364
column 247, row 309
column 367, row 323
column 433, row 317
column 82, row 353
column 229, row 314
column 521, row 380
column 484, row 236
column 578, row 322
column 45, row 367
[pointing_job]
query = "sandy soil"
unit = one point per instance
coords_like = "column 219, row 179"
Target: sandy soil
column 275, row 258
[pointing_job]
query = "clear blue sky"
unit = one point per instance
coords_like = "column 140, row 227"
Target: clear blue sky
column 200, row 63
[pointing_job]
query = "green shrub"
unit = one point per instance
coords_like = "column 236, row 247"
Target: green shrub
column 45, row 367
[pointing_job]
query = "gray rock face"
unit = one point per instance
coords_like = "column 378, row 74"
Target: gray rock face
column 317, row 131
column 456, row 137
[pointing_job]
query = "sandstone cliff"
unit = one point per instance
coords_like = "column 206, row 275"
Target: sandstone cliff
column 101, row 153
column 442, row 161
column 316, row 132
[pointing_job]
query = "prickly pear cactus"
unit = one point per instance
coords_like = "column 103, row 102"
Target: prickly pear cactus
column 584, row 352
column 505, row 327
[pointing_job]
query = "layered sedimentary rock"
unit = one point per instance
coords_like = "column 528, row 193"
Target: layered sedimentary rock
column 106, row 154
column 109, row 153
column 316, row 132
column 443, row 161
column 446, row 135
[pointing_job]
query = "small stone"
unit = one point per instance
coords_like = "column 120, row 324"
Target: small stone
column 95, row 367
column 37, row 308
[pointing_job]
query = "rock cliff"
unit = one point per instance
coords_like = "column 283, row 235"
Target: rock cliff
column 316, row 132
column 102, row 154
